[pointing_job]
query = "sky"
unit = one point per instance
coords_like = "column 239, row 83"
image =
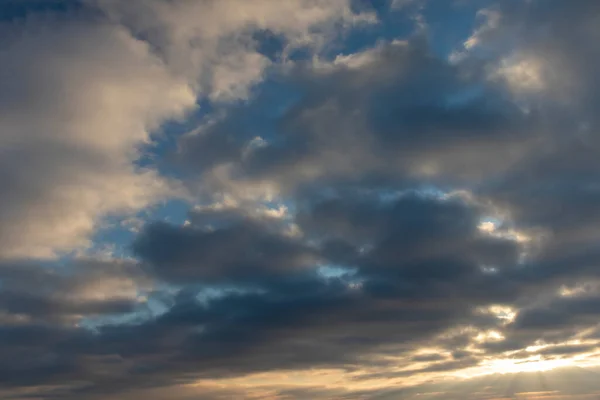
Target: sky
column 299, row 199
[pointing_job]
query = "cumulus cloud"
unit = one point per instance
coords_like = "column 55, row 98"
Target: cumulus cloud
column 212, row 42
column 368, row 216
column 87, row 287
column 81, row 94
column 396, row 114
column 76, row 101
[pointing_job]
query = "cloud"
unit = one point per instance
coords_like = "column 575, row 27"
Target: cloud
column 211, row 42
column 87, row 287
column 75, row 105
column 83, row 91
column 400, row 115
column 242, row 251
column 270, row 315
column 367, row 219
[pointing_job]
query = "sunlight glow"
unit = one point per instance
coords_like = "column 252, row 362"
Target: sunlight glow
column 523, row 75
column 508, row 366
column 504, row 313
column 489, row 336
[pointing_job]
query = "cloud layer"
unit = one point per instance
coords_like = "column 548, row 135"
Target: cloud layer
column 368, row 213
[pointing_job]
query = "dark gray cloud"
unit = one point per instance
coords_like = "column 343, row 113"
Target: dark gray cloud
column 553, row 188
column 394, row 114
column 54, row 294
column 389, row 201
column 401, row 114
column 417, row 275
column 235, row 253
column 280, row 317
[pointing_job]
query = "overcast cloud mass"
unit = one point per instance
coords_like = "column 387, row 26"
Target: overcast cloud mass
column 299, row 199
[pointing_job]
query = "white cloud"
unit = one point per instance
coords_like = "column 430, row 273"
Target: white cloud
column 75, row 102
column 78, row 98
column 486, row 30
column 211, row 41
column 522, row 75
